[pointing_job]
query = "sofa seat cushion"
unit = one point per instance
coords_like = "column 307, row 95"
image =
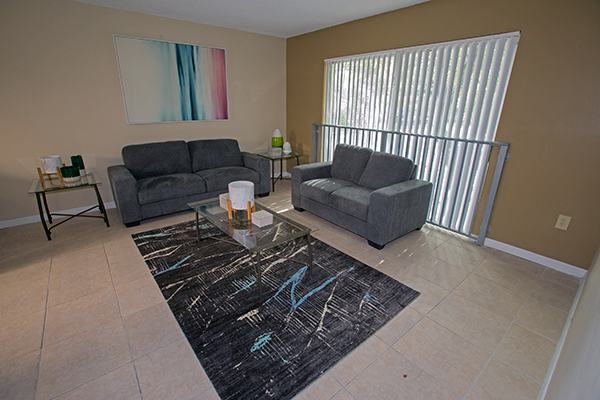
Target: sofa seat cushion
column 156, row 159
column 166, row 187
column 353, row 200
column 320, row 189
column 385, row 169
column 215, row 153
column 219, row 178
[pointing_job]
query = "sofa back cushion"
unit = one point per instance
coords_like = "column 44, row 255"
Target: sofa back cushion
column 385, row 169
column 349, row 162
column 215, row 153
column 154, row 159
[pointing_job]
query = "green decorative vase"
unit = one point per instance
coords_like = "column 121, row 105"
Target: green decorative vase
column 277, row 140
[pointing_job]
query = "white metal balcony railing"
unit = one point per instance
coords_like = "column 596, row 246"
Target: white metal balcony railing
column 456, row 167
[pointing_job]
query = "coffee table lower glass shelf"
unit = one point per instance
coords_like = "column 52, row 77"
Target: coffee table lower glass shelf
column 254, row 238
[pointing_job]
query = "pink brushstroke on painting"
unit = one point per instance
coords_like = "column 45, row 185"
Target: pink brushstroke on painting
column 219, row 83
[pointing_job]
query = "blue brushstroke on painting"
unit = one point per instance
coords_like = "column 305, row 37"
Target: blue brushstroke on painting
column 186, row 69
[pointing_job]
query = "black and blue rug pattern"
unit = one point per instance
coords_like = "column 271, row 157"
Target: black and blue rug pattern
column 270, row 349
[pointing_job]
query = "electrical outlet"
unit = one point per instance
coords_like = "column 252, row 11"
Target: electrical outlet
column 562, row 222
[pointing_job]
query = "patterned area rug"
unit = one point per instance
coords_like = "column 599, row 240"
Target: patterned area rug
column 275, row 348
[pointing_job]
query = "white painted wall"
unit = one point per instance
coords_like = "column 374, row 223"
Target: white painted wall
column 576, row 374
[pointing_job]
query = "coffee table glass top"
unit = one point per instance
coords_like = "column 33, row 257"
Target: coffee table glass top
column 92, row 178
column 243, row 231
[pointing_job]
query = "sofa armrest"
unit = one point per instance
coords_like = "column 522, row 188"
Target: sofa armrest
column 261, row 165
column 125, row 193
column 397, row 209
column 306, row 172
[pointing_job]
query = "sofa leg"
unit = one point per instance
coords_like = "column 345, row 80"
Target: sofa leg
column 263, row 194
column 298, row 209
column 132, row 224
column 377, row 246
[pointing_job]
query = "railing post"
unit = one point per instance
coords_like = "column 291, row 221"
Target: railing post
column 492, row 195
column 315, row 135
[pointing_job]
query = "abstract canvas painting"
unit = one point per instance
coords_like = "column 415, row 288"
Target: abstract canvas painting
column 170, row 82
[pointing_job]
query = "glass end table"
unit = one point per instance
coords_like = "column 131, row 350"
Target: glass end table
column 280, row 158
column 47, row 186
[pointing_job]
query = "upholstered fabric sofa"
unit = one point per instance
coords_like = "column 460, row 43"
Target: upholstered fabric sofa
column 370, row 193
column 162, row 178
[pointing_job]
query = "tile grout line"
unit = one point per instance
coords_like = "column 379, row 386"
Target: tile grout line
column 328, row 373
column 539, row 278
column 532, row 331
column 444, row 298
column 515, row 322
column 88, row 381
column 365, row 368
column 122, row 321
column 493, row 355
column 37, row 380
column 496, row 348
column 390, row 347
column 426, row 373
column 83, row 383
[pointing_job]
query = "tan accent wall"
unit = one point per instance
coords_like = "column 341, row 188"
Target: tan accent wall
column 60, row 92
column 551, row 115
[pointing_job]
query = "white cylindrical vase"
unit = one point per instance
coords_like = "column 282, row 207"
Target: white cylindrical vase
column 240, row 193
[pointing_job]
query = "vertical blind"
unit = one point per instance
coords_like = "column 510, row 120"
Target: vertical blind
column 447, row 90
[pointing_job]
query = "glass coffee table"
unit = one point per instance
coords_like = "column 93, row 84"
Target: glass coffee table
column 254, row 238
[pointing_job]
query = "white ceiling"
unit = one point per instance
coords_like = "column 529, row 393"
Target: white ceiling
column 281, row 18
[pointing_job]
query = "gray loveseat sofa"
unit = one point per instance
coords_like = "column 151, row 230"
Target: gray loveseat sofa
column 370, row 193
column 162, row 178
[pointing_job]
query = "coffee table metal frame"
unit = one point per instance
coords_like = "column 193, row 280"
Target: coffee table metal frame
column 255, row 239
column 39, row 188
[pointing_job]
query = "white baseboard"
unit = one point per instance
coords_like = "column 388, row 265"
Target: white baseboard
column 536, row 258
column 36, row 218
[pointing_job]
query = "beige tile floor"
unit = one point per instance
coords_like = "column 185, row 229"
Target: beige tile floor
column 83, row 319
